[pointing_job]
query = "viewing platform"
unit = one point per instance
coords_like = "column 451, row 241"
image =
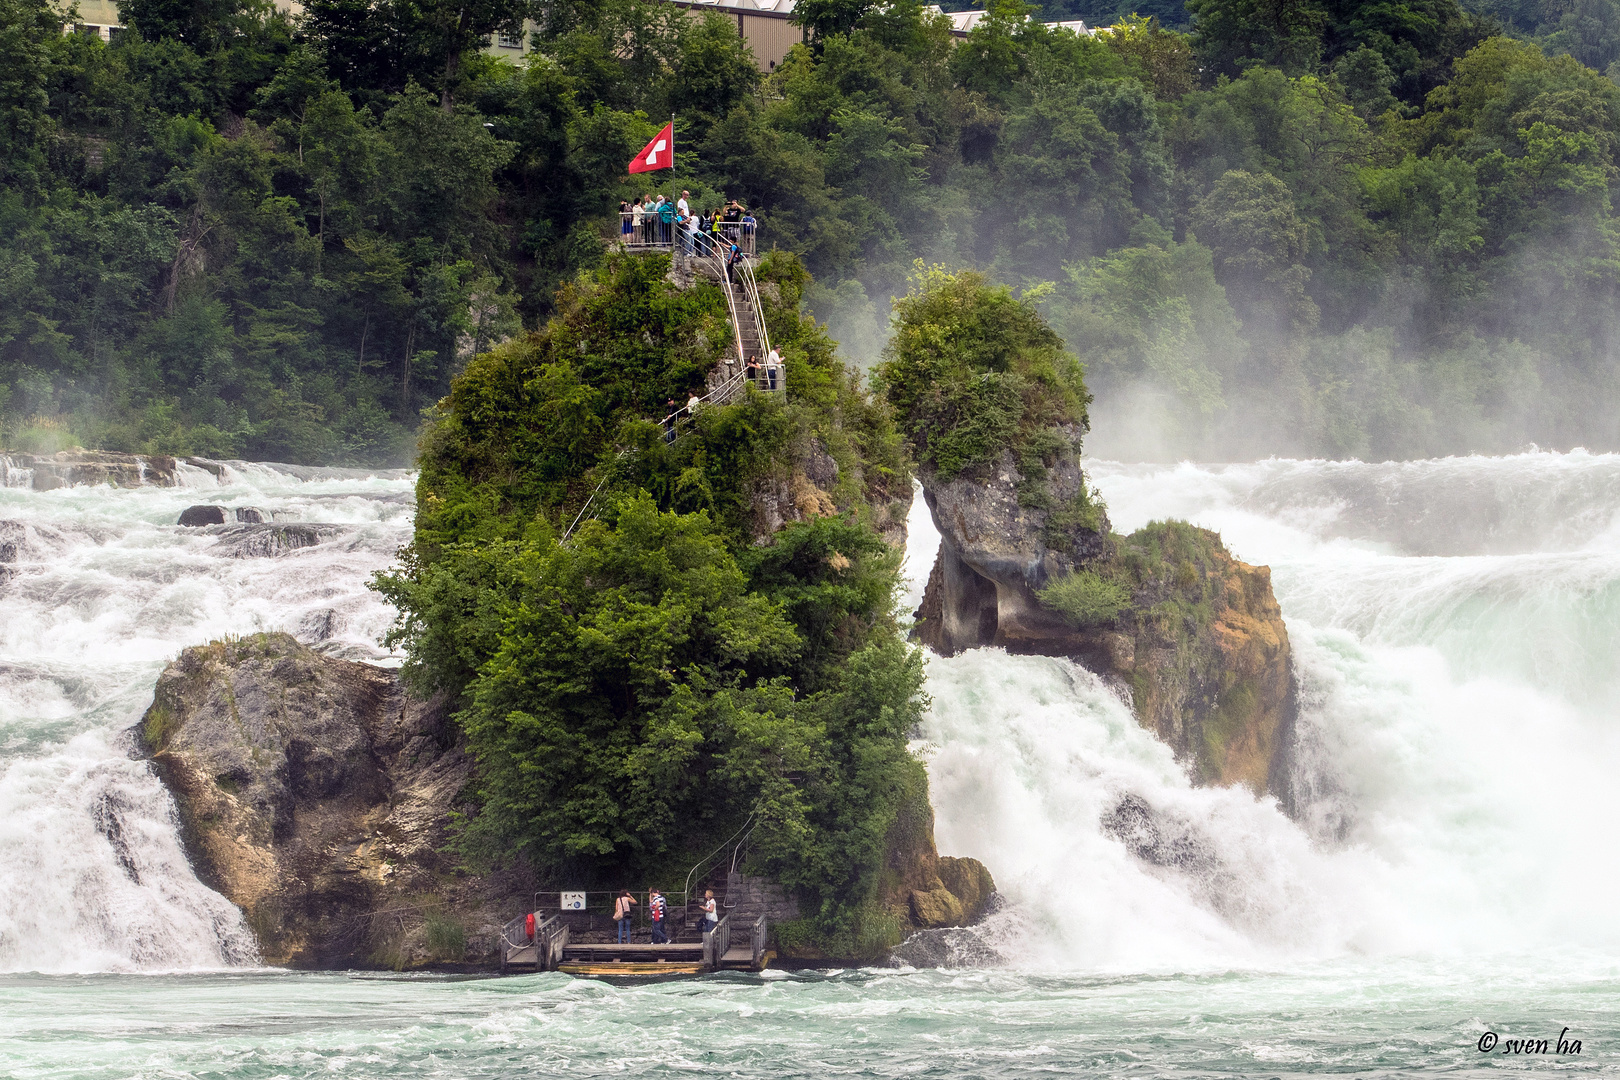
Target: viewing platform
column 552, row 949
column 653, row 234
column 575, row 933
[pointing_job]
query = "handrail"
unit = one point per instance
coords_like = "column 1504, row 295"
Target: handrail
column 702, row 242
column 551, row 938
column 736, row 232
column 751, row 285
column 517, row 926
column 716, row 943
column 686, row 890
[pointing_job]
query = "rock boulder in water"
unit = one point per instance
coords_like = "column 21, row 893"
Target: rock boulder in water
column 314, row 793
column 198, row 516
column 1198, row 646
column 251, row 515
column 268, row 540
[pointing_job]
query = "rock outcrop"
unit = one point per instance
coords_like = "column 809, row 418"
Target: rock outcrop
column 998, row 545
column 920, row 890
column 314, row 793
column 195, row 517
column 923, row 889
column 46, row 472
column 1199, row 649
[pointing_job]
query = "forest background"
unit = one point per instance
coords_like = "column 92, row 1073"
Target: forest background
column 1302, row 226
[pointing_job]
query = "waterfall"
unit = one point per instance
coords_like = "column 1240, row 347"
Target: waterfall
column 1456, row 741
column 98, row 590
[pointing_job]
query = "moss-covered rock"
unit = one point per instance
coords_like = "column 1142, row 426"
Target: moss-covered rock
column 1199, row 644
column 314, row 794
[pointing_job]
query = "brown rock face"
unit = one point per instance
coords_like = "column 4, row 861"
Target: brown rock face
column 1204, row 652
column 925, row 890
column 1200, row 648
column 314, row 793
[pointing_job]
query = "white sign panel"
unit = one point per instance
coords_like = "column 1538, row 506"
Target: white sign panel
column 573, row 901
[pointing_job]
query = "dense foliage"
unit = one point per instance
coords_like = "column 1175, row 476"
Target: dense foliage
column 973, row 372
column 1319, row 226
column 676, row 672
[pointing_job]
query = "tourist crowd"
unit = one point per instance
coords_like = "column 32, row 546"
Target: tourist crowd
column 658, row 221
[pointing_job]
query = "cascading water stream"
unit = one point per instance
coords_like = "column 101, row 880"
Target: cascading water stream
column 1456, row 741
column 98, row 590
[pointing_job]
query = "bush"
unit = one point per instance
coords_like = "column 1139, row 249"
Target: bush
column 1085, row 598
column 446, row 938
column 973, row 371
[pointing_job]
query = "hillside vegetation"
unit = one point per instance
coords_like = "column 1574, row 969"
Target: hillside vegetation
column 680, row 671
column 1322, row 227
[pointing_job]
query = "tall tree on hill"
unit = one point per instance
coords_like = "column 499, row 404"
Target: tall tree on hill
column 383, row 46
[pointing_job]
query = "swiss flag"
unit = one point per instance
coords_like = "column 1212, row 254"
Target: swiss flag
column 658, row 154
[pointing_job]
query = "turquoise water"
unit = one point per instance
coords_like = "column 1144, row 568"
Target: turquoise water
column 1344, row 1017
column 1450, row 870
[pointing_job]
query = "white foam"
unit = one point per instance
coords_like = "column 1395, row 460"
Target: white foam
column 108, row 590
column 1457, row 735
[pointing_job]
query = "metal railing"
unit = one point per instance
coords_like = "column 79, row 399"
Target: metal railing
column 761, row 932
column 655, row 234
column 708, row 860
column 716, row 943
column 751, row 286
column 550, row 939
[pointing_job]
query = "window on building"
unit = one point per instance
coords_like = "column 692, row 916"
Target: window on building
column 511, row 39
column 114, row 33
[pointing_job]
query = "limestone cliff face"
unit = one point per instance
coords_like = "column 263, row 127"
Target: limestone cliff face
column 997, row 547
column 314, row 794
column 1200, row 649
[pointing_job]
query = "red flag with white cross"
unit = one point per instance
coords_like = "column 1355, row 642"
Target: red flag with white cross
column 658, row 154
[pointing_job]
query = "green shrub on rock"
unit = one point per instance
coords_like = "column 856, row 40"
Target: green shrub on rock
column 973, row 371
column 1085, row 598
column 653, row 646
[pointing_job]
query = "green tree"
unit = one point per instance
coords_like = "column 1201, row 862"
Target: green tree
column 973, row 371
column 27, row 28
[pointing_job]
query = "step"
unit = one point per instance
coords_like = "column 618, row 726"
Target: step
column 639, row 953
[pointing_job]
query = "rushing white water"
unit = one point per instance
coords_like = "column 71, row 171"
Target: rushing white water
column 1449, row 873
column 98, row 589
column 1457, row 736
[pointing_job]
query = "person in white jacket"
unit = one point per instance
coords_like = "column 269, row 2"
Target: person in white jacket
column 773, row 368
column 711, row 913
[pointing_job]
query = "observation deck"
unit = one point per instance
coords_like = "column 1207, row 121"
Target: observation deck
column 651, row 234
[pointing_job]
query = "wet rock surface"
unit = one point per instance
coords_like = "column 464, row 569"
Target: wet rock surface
column 314, row 794
column 195, row 517
column 269, row 539
column 69, row 468
column 1199, row 648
